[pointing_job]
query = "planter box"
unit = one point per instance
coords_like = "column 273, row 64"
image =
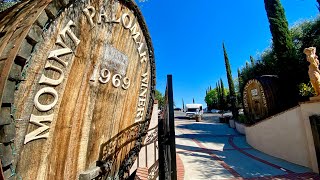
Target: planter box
column 227, row 119
column 224, row 119
column 241, row 128
column 198, row 118
column 232, row 123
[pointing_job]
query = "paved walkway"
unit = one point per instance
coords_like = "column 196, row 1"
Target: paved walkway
column 211, row 150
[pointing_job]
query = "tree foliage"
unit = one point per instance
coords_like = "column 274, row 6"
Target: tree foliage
column 304, row 34
column 281, row 37
column 284, row 50
column 285, row 57
column 252, row 61
column 160, row 99
column 211, row 97
column 215, row 97
column 7, row 4
column 222, row 96
column 182, row 104
column 230, row 83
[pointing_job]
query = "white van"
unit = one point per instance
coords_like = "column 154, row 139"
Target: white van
column 193, row 109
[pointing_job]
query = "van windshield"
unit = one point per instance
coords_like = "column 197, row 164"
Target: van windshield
column 192, row 110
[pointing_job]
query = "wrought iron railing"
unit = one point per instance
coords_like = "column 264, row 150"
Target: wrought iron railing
column 167, row 147
column 150, row 159
column 110, row 150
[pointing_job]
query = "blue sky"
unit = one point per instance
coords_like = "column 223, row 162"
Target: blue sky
column 187, row 37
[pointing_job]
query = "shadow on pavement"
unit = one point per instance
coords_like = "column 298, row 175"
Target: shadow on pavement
column 195, row 136
column 181, row 117
column 205, row 164
column 180, row 147
column 213, row 129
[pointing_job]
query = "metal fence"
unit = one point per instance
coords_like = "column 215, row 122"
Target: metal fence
column 166, row 139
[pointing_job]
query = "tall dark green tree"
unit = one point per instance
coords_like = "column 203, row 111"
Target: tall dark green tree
column 247, row 65
column 222, row 95
column 182, row 105
column 208, row 104
column 240, row 84
column 283, row 47
column 252, row 61
column 282, row 40
column 233, row 97
column 239, row 79
column 218, row 94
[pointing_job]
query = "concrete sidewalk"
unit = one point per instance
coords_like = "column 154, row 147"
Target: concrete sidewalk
column 211, row 150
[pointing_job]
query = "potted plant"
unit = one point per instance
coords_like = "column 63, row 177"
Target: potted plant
column 222, row 119
column 198, row 117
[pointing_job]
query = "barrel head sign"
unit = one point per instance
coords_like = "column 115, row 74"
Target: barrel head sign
column 254, row 100
column 88, row 88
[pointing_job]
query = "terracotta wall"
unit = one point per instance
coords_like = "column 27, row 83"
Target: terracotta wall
column 287, row 135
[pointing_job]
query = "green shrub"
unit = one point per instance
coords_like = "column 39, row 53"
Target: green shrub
column 306, row 90
column 243, row 119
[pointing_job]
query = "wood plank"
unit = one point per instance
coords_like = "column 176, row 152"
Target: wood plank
column 71, row 112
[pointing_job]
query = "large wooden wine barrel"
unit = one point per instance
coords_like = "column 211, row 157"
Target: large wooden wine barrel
column 262, row 97
column 77, row 88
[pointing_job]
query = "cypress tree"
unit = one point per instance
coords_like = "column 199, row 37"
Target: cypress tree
column 252, row 61
column 222, row 95
column 240, row 82
column 284, row 49
column 230, row 83
column 239, row 79
column 282, row 40
column 218, row 94
column 182, row 105
column 247, row 65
